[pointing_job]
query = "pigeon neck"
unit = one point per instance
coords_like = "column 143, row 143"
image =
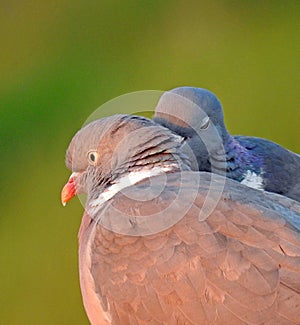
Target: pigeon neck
column 123, row 182
column 167, row 155
column 240, row 161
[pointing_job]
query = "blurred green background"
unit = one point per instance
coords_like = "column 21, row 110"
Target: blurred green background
column 60, row 60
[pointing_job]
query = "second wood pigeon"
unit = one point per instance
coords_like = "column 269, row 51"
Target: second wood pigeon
column 197, row 115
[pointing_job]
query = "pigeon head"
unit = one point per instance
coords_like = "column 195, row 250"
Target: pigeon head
column 109, row 148
column 188, row 109
column 196, row 114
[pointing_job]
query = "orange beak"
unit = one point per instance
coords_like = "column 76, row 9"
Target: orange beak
column 69, row 190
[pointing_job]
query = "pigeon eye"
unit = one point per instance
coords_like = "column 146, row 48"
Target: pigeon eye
column 205, row 123
column 92, row 157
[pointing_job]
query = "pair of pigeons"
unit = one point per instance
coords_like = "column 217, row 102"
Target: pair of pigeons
column 172, row 231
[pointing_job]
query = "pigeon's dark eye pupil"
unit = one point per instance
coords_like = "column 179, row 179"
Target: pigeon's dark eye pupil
column 92, row 157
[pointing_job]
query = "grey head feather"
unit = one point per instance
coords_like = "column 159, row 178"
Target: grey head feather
column 186, row 110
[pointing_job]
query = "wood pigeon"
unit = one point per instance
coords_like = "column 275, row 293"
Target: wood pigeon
column 197, row 115
column 161, row 244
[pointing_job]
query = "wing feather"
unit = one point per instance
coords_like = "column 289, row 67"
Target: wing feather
column 241, row 265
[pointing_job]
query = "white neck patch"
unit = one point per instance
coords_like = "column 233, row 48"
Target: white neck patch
column 253, row 180
column 126, row 181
